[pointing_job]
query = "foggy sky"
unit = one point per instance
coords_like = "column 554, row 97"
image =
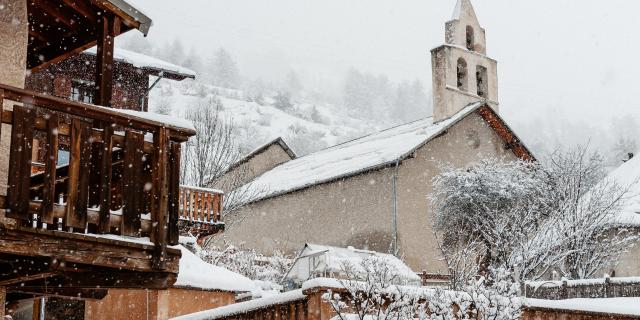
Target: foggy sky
column 557, row 59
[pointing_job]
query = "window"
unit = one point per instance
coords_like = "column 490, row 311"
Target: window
column 82, row 91
column 482, row 84
column 470, row 39
column 462, row 74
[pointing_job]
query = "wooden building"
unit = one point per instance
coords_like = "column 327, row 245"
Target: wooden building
column 73, row 78
column 109, row 218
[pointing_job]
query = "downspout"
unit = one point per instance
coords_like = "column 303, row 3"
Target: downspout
column 394, row 216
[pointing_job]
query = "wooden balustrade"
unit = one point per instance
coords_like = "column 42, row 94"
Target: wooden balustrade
column 122, row 177
column 200, row 205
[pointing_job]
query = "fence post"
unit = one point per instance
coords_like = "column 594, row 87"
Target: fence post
column 565, row 289
column 607, row 282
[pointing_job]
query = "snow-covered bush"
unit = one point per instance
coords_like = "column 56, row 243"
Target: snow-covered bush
column 373, row 295
column 249, row 263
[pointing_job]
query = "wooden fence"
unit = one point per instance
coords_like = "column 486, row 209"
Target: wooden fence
column 596, row 288
column 200, row 205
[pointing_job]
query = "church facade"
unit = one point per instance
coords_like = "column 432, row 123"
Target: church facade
column 372, row 192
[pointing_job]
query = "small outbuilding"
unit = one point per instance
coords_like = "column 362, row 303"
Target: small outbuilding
column 319, row 261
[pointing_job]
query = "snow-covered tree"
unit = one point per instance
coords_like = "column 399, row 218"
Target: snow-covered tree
column 224, row 70
column 283, row 101
column 530, row 219
column 249, row 263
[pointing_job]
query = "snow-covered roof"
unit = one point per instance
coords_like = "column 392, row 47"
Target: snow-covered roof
column 618, row 306
column 195, row 273
column 142, row 61
column 628, row 175
column 244, row 307
column 333, row 259
column 350, row 158
column 279, row 141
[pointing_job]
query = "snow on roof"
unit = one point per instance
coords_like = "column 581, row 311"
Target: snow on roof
column 350, row 158
column 628, row 175
column 584, row 282
column 244, row 307
column 619, row 306
column 142, row 61
column 335, row 258
column 195, row 273
column 156, row 117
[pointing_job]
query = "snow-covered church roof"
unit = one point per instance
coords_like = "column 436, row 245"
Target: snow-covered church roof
column 628, row 176
column 350, row 158
column 142, row 61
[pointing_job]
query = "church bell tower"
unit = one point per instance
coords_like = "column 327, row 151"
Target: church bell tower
column 462, row 73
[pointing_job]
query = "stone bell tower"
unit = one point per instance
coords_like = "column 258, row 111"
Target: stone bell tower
column 462, row 73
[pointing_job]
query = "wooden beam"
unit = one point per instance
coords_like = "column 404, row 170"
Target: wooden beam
column 67, row 293
column 83, row 249
column 91, row 111
column 82, row 8
column 57, row 13
column 104, row 59
column 76, row 215
column 104, row 279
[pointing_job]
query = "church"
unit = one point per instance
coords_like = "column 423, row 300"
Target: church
column 372, row 192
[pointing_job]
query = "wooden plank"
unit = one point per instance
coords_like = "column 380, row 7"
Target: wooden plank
column 51, row 160
column 106, row 171
column 160, row 208
column 3, row 299
column 25, row 169
column 67, row 293
column 15, row 164
column 76, row 216
column 132, row 189
column 185, row 204
column 192, row 204
column 83, row 249
column 174, row 192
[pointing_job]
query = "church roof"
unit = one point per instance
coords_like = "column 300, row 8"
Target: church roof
column 628, row 176
column 368, row 153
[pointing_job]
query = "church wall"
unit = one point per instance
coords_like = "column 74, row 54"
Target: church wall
column 468, row 141
column 257, row 165
column 358, row 211
column 13, row 62
column 354, row 211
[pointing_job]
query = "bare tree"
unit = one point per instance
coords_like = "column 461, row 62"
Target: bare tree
column 213, row 149
column 208, row 156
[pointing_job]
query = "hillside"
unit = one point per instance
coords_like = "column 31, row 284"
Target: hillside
column 305, row 126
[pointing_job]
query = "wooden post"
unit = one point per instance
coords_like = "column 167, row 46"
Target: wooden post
column 160, row 205
column 108, row 28
column 3, row 301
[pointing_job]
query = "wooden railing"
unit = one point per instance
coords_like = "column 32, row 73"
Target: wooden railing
column 122, row 177
column 200, row 205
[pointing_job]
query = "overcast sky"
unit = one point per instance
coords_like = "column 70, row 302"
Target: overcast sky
column 557, row 58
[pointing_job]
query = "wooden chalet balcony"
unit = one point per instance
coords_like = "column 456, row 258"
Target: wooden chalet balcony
column 115, row 204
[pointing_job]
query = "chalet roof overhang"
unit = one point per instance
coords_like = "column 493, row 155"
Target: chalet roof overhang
column 60, row 29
